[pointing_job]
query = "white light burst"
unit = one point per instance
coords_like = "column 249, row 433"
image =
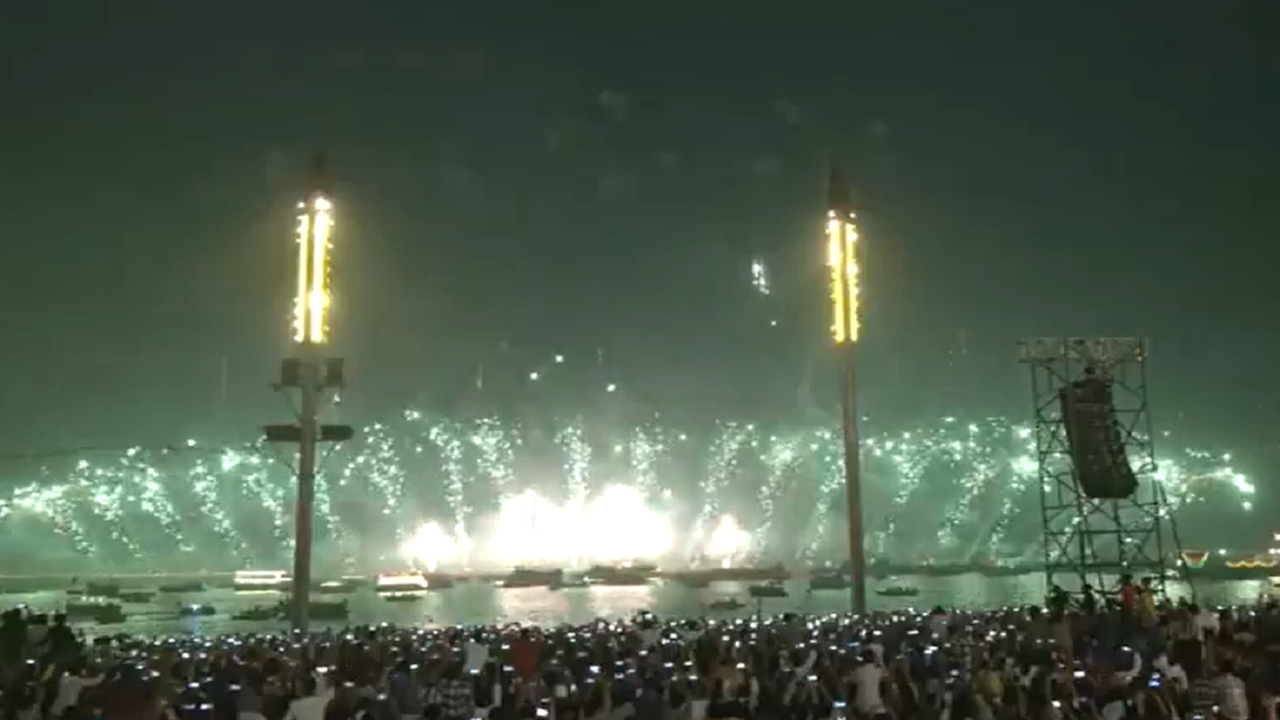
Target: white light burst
column 760, row 277
column 448, row 493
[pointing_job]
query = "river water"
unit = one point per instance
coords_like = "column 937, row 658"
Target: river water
column 471, row 603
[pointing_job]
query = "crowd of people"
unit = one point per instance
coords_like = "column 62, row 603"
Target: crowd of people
column 1110, row 661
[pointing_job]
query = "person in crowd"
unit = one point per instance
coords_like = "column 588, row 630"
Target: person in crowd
column 313, row 697
column 69, row 686
column 1070, row 663
column 457, row 696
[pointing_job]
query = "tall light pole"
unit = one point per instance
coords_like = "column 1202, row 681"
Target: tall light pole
column 309, row 374
column 842, row 261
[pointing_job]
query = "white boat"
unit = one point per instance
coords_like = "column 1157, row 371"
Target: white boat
column 402, row 585
column 262, row 581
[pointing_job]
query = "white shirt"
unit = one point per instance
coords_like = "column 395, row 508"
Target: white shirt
column 1205, row 621
column 649, row 637
column 938, row 623
column 866, row 681
column 876, row 647
column 1133, row 671
column 1235, row 703
column 808, row 664
column 1173, row 672
column 477, row 655
column 69, row 689
column 1114, row 710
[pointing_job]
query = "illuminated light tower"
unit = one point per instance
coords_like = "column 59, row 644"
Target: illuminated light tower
column 842, row 261
column 309, row 375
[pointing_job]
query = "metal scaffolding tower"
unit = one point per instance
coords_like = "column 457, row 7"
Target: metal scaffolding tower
column 1092, row 541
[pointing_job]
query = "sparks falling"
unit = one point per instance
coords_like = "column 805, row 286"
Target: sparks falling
column 448, row 492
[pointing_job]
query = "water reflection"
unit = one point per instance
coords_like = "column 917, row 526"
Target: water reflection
column 480, row 603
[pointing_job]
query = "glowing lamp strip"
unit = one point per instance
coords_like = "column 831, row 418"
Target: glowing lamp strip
column 842, row 260
column 299, row 304
column 312, row 300
column 1257, row 563
column 837, row 281
column 319, row 296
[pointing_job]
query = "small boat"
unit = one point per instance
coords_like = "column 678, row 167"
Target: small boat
column 105, row 589
column 334, row 587
column 261, row 613
column 402, row 582
column 85, row 608
column 898, row 591
column 317, row 610
column 262, row 581
column 830, row 581
column 188, row 611
column 110, row 615
column 194, row 586
column 726, row 604
column 619, row 576
column 97, row 610
column 136, row 597
column 768, row 590
column 402, row 587
column 530, row 578
column 642, row 569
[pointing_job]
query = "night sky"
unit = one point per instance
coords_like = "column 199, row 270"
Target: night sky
column 515, row 181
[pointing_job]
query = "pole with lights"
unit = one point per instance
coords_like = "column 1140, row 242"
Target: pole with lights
column 842, row 262
column 309, row 375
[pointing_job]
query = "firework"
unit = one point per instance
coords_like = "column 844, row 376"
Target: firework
column 483, row 493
